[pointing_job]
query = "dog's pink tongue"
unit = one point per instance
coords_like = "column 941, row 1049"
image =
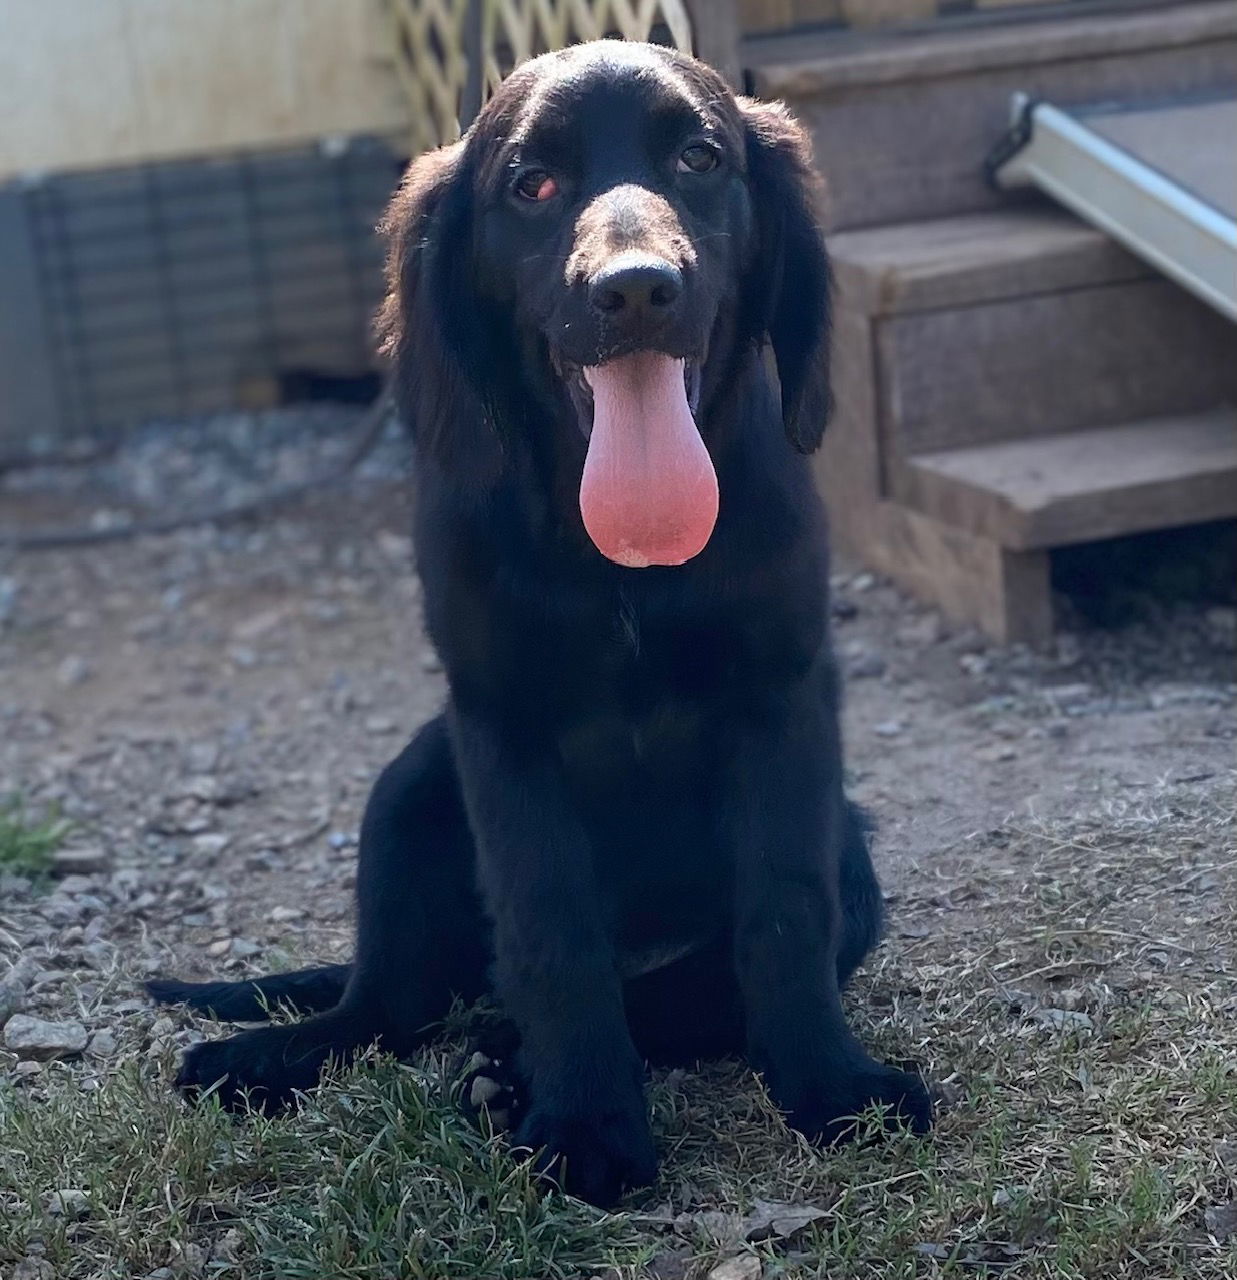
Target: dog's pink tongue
column 649, row 491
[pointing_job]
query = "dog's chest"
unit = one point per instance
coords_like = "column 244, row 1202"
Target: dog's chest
column 627, row 625
column 640, row 754
column 646, row 699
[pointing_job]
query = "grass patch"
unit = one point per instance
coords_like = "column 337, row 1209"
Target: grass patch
column 1078, row 1012
column 26, row 843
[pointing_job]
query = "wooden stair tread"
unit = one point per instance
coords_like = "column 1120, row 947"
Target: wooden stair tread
column 976, row 257
column 805, row 63
column 1081, row 485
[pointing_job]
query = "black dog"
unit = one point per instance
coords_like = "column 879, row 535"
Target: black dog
column 629, row 820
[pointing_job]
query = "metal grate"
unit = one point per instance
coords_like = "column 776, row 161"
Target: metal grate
column 166, row 288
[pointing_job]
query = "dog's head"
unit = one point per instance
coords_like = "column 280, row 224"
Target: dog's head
column 582, row 273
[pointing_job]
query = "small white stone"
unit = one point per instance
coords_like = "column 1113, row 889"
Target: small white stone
column 211, row 843
column 395, row 546
column 84, row 860
column 102, row 1044
column 747, row 1267
column 73, row 670
column 69, row 1202
column 253, row 628
column 1065, row 1019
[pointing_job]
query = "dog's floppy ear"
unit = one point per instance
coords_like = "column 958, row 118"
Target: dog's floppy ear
column 789, row 272
column 429, row 325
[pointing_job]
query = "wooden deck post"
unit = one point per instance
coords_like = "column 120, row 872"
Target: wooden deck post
column 715, row 34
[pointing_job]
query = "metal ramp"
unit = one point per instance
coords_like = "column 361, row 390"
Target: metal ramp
column 1086, row 396
column 1162, row 181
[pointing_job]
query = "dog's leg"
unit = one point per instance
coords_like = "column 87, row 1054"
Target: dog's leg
column 555, row 968
column 685, row 1013
column 863, row 907
column 421, row 940
column 784, row 819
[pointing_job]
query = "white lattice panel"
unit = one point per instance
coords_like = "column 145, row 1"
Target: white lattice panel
column 429, row 40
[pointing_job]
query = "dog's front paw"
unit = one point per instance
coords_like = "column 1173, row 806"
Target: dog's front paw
column 596, row 1157
column 265, row 1067
column 825, row 1110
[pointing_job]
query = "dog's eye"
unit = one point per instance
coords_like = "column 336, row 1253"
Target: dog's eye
column 535, row 184
column 700, row 157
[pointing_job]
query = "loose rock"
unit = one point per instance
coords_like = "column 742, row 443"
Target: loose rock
column 102, row 1044
column 13, row 987
column 1064, row 1019
column 922, row 631
column 866, row 666
column 974, row 664
column 73, row 670
column 1221, row 1220
column 34, row 1269
column 39, row 1040
column 747, row 1267
column 83, row 861
column 69, row 1202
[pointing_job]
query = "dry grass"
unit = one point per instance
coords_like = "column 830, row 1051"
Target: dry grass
column 1072, row 991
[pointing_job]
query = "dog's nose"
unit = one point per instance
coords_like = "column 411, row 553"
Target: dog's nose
column 635, row 287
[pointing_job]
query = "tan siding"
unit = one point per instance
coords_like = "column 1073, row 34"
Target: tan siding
column 101, row 82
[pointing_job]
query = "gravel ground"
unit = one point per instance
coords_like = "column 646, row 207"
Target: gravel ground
column 207, row 709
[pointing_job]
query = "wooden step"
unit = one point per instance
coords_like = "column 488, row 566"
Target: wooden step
column 1081, row 485
column 975, row 258
column 902, row 121
column 1000, row 326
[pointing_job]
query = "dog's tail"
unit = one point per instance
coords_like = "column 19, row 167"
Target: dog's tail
column 305, row 991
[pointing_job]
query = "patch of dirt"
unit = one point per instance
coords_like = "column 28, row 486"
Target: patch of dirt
column 209, row 709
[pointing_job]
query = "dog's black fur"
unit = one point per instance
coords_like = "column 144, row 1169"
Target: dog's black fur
column 629, row 760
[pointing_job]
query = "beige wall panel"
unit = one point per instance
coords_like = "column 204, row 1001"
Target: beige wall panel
column 87, row 83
